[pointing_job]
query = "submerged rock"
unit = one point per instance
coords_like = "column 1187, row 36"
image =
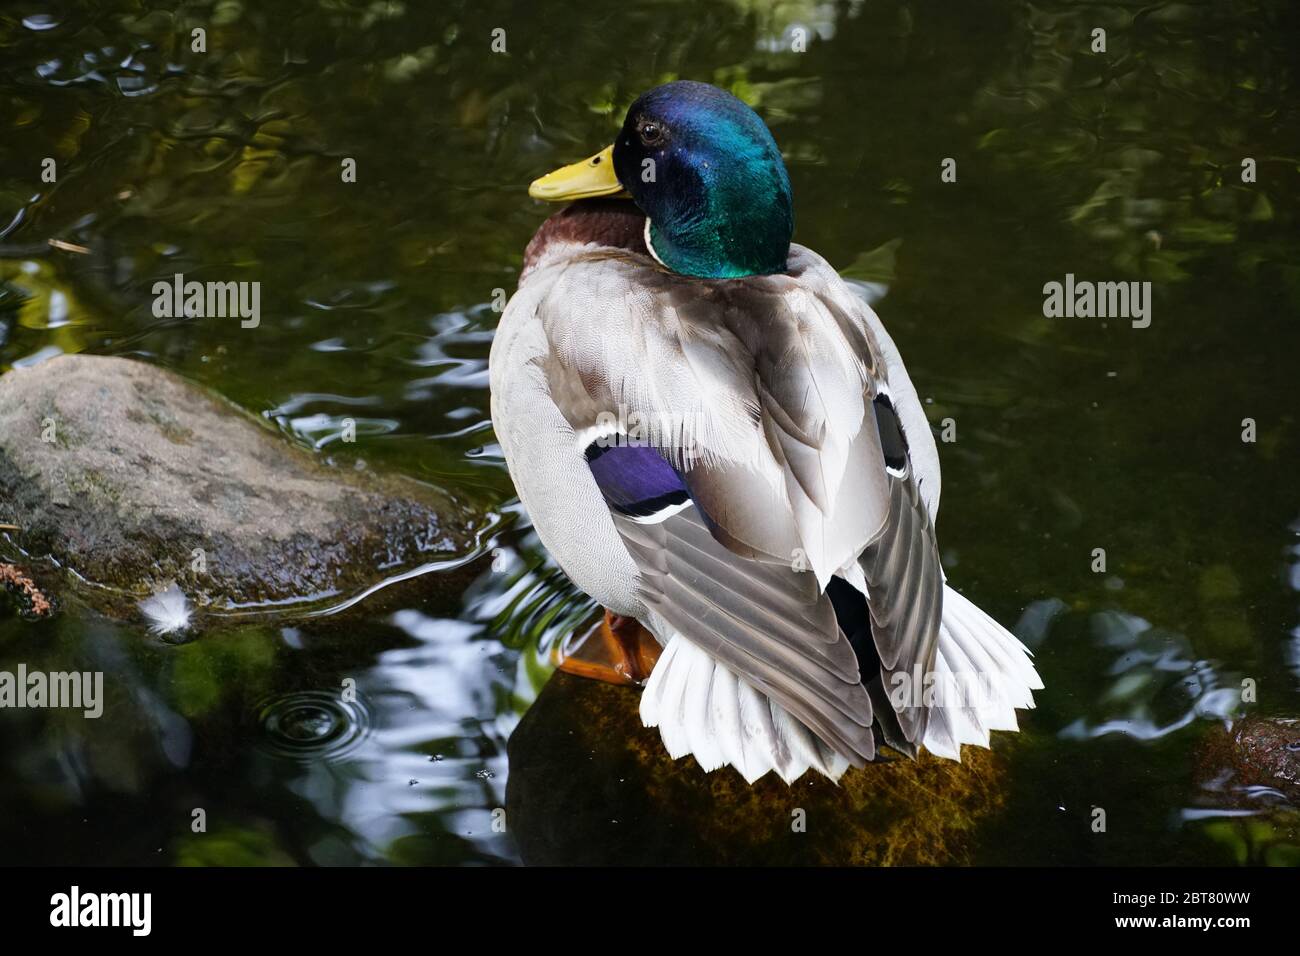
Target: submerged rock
column 590, row 785
column 1256, row 752
column 133, row 478
column 1248, row 801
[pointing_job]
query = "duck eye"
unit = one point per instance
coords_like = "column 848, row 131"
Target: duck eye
column 651, row 133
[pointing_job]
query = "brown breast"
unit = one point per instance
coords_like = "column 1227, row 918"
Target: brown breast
column 607, row 222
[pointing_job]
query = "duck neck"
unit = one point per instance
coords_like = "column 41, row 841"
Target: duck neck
column 729, row 234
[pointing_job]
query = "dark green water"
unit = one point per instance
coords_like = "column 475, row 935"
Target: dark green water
column 1072, row 434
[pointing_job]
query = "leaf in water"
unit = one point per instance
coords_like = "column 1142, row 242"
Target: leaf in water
column 404, row 68
column 1261, row 210
column 877, row 265
column 1204, row 231
column 230, row 846
column 252, row 166
column 1219, row 583
column 69, row 144
column 227, row 12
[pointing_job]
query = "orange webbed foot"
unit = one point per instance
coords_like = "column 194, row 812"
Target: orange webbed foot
column 616, row 649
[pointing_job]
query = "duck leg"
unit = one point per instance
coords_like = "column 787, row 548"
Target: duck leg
column 616, row 649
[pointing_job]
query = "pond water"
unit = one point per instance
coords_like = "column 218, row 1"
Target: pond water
column 1072, row 434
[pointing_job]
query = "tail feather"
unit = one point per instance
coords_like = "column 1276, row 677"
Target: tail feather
column 979, row 656
column 725, row 706
column 702, row 708
column 949, row 727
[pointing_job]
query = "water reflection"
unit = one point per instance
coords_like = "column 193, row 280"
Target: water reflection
column 1156, row 685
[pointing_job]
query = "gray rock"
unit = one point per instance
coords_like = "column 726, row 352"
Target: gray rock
column 145, row 467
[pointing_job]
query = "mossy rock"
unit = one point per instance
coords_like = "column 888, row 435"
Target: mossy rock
column 123, row 473
column 590, row 785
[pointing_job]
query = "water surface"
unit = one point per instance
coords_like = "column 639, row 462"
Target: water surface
column 1071, row 434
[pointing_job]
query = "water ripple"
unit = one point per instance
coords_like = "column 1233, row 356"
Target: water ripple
column 310, row 726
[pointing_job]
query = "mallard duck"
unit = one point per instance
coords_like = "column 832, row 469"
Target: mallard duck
column 716, row 438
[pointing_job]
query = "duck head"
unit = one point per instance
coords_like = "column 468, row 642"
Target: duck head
column 706, row 173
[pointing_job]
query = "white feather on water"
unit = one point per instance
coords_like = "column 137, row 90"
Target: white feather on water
column 168, row 611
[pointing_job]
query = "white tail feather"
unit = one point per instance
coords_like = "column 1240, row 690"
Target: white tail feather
column 702, row 708
column 977, row 648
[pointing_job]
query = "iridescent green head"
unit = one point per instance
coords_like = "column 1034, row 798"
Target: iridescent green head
column 706, row 172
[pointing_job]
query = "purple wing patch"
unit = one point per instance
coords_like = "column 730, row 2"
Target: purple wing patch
column 635, row 479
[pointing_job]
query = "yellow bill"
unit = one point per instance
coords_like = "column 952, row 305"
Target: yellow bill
column 591, row 177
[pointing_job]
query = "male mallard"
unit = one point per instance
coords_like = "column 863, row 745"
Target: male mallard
column 716, row 437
